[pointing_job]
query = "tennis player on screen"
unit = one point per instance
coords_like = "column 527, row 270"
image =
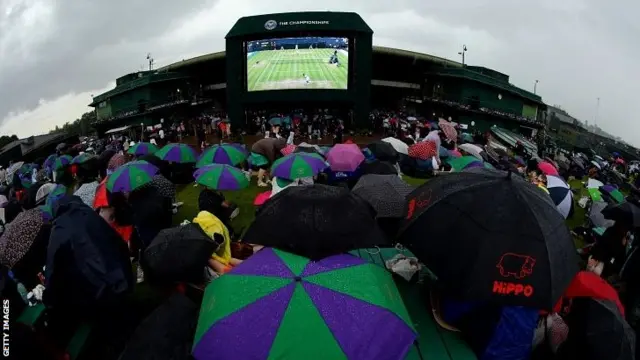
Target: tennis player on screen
column 306, row 78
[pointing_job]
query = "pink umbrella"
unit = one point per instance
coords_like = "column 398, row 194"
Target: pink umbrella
column 455, row 153
column 345, row 157
column 547, row 168
column 262, row 198
column 289, row 149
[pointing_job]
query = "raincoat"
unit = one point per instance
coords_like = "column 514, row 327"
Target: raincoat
column 211, row 225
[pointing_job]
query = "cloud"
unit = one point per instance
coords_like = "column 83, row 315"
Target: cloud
column 579, row 50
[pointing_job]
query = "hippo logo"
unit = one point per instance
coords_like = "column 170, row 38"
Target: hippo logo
column 418, row 203
column 518, row 266
column 270, row 25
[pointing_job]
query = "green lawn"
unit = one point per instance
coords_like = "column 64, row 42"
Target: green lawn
column 283, row 69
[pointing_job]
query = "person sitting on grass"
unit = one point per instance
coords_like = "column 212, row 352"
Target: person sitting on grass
column 214, row 220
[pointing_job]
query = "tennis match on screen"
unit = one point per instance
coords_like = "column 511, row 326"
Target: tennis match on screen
column 298, row 63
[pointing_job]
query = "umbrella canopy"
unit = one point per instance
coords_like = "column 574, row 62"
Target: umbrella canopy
column 488, row 235
column 594, row 184
column 275, row 121
column 177, row 153
column 221, row 177
column 465, row 162
column 561, row 194
column 298, row 165
column 142, row 148
column 386, row 193
column 383, row 151
column 345, row 157
column 595, row 194
column 547, row 168
column 289, row 149
column 341, row 307
column 595, row 163
column 596, row 216
column 466, row 138
column 48, row 162
column 423, row 150
column 316, row 221
column 14, row 167
column 613, row 192
column 378, row 167
column 228, row 154
column 627, row 212
column 519, row 160
column 310, row 148
column 131, row 176
column 19, row 236
column 473, row 150
column 398, row 145
column 82, row 158
column 116, row 161
column 61, row 162
column 449, row 130
column 599, row 331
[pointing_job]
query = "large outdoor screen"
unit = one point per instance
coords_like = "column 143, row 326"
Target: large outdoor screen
column 298, row 63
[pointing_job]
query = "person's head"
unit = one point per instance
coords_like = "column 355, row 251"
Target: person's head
column 87, row 172
column 215, row 203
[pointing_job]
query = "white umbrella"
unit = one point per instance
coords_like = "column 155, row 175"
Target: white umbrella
column 594, row 184
column 561, row 194
column 14, row 167
column 472, row 149
column 596, row 165
column 398, row 145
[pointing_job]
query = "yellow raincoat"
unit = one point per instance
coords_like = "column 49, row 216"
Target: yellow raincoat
column 210, row 224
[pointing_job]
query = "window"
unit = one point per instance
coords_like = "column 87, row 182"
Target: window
column 102, row 104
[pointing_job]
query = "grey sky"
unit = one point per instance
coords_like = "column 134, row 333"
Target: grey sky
column 55, row 54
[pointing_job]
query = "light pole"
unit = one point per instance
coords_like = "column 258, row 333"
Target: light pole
column 535, row 86
column 464, row 50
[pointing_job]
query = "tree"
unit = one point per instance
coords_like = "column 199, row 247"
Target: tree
column 5, row 140
column 82, row 126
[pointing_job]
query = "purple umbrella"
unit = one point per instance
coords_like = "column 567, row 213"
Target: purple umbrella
column 345, row 157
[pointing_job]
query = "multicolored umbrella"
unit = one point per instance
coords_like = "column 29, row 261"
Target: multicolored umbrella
column 142, row 148
column 131, row 176
column 298, row 165
column 228, row 154
column 177, row 153
column 276, row 305
column 613, row 192
column 289, row 149
column 61, row 162
column 256, row 159
column 345, row 157
column 465, row 162
column 82, row 158
column 221, row 177
column 48, row 163
column 52, row 198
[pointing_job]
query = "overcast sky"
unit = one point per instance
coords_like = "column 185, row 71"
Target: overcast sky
column 55, row 53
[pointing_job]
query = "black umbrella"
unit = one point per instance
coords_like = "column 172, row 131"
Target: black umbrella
column 315, row 221
column 598, row 331
column 489, row 235
column 383, row 151
column 179, row 254
column 627, row 212
column 378, row 167
column 386, row 193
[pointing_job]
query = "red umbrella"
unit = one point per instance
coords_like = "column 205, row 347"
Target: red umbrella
column 289, row 149
column 547, row 168
column 423, row 150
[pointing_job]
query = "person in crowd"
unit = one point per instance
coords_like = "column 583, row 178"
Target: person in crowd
column 608, row 253
column 87, row 181
column 269, row 150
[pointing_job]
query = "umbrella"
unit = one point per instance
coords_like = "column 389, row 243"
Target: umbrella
column 257, row 159
column 472, row 149
column 627, row 212
column 368, row 155
column 281, row 306
column 488, row 235
column 82, row 158
column 594, row 184
column 423, row 150
column 595, row 163
column 298, row 165
column 289, row 149
column 561, row 194
column 61, row 162
column 20, row 235
column 547, row 168
column 13, row 168
column 177, row 153
column 465, row 162
column 275, row 121
column 386, row 193
column 383, row 151
column 398, row 145
column 221, row 177
column 596, row 216
column 519, row 160
column 131, row 176
column 466, row 138
column 116, row 161
column 613, row 192
column 599, row 331
column 595, row 194
column 310, row 148
column 179, row 254
column 378, row 167
column 142, row 148
column 455, row 153
column 316, row 221
column 228, row 154
column 345, row 157
column 444, row 152
column 449, row 130
column 48, row 163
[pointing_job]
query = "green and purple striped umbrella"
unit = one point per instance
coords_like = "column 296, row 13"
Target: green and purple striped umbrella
column 229, row 154
column 142, row 148
column 177, row 153
column 221, row 177
column 131, row 176
column 613, row 192
column 52, row 198
column 48, row 163
column 467, row 162
column 61, row 162
column 82, row 158
column 298, row 165
column 277, row 305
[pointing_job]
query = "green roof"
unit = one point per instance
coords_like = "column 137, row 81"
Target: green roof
column 142, row 81
column 193, row 61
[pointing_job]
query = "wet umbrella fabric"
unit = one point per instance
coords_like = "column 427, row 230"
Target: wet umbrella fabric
column 179, row 254
column 383, row 151
column 627, row 212
column 131, row 176
column 561, row 195
column 298, row 165
column 398, row 145
column 48, row 163
column 142, row 148
column 512, row 246
column 19, row 236
column 221, row 177
column 228, row 154
column 82, row 158
column 341, row 307
column 386, row 193
column 465, row 162
column 116, row 161
column 379, row 168
column 423, row 150
column 177, row 153
column 316, row 221
column 596, row 216
column 473, row 150
column 345, row 157
column 61, row 162
column 547, row 168
column 613, row 192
